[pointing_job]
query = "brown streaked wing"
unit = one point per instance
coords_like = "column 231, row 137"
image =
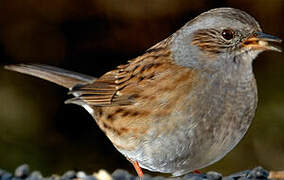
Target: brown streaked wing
column 108, row 90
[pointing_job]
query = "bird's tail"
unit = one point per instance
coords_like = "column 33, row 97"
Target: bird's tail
column 56, row 75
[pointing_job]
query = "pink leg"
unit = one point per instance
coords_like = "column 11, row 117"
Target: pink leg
column 196, row 172
column 138, row 169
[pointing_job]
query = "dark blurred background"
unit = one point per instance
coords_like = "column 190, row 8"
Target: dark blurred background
column 92, row 37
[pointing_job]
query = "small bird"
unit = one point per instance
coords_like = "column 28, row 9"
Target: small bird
column 182, row 105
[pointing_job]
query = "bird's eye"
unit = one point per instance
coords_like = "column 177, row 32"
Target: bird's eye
column 228, row 34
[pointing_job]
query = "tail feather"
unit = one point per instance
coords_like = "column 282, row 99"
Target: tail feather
column 56, row 75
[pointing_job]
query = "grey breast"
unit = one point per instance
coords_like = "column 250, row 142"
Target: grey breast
column 215, row 121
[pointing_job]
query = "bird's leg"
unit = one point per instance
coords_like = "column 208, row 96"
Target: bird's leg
column 138, row 169
column 196, row 172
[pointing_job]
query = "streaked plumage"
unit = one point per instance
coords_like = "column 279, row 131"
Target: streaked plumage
column 182, row 105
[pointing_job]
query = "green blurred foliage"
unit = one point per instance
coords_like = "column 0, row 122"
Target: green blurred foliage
column 92, row 37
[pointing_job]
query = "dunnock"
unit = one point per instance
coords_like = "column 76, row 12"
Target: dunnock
column 182, row 105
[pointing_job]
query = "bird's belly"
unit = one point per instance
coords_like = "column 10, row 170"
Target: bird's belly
column 185, row 150
column 180, row 152
column 202, row 138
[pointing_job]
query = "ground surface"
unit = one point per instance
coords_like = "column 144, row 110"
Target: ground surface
column 23, row 172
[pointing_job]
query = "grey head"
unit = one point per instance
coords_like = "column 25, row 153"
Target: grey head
column 220, row 39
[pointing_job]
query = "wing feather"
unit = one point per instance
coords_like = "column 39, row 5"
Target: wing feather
column 120, row 86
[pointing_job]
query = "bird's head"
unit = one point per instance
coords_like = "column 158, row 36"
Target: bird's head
column 221, row 36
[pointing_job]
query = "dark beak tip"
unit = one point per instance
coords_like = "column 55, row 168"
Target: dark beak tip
column 268, row 37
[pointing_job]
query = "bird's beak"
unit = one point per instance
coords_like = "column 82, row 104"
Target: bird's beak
column 262, row 41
